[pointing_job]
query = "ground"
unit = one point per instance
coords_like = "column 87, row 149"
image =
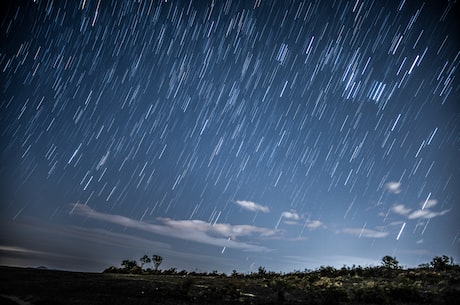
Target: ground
column 29, row 286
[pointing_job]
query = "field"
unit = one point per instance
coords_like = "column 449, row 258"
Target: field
column 323, row 286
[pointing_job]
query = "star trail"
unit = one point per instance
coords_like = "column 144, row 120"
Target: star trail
column 229, row 134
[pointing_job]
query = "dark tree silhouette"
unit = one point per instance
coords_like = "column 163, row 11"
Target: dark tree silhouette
column 440, row 262
column 390, row 262
column 129, row 264
column 157, row 259
column 145, row 260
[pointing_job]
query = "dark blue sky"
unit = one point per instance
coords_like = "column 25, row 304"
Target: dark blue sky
column 229, row 134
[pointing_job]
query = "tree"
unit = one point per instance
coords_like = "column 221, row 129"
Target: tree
column 424, row 266
column 261, row 271
column 390, row 262
column 128, row 264
column 157, row 259
column 145, row 260
column 440, row 262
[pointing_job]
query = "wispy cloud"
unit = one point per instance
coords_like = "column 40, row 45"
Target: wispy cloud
column 219, row 229
column 428, row 204
column 393, row 187
column 363, row 232
column 314, row 224
column 221, row 235
column 93, row 249
column 252, row 206
column 22, row 250
column 290, row 217
column 400, row 209
column 424, row 212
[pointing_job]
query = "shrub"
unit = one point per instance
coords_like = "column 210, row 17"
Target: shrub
column 404, row 294
column 111, row 269
column 375, row 295
column 128, row 264
column 390, row 262
column 327, row 271
column 440, row 262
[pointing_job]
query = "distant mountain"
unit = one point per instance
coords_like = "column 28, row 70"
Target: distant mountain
column 42, row 267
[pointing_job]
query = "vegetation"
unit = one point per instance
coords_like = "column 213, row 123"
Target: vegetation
column 145, row 260
column 131, row 266
column 437, row 282
column 156, row 261
column 390, row 262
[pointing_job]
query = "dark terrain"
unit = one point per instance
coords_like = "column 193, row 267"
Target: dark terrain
column 323, row 286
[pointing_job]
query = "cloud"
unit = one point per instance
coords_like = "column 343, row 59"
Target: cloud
column 314, row 224
column 290, row 215
column 365, row 232
column 393, row 187
column 401, row 210
column 21, row 250
column 428, row 204
column 252, row 206
column 423, row 213
column 292, row 218
column 219, row 229
column 192, row 230
column 426, row 214
column 93, row 249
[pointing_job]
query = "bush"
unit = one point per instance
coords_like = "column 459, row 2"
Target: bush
column 327, row 271
column 440, row 262
column 404, row 294
column 375, row 295
column 136, row 270
column 111, row 269
column 390, row 262
column 330, row 296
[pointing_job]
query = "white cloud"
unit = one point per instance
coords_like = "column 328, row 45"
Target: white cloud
column 314, row 224
column 428, row 204
column 221, row 229
column 365, row 232
column 292, row 219
column 290, row 215
column 93, row 249
column 426, row 214
column 252, row 206
column 393, row 187
column 192, row 230
column 395, row 223
column 401, row 210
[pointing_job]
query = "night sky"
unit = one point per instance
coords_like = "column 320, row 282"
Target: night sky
column 229, row 135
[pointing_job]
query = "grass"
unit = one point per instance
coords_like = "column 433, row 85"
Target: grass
column 324, row 286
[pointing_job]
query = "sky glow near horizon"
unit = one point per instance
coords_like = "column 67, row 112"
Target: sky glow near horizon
column 229, row 135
